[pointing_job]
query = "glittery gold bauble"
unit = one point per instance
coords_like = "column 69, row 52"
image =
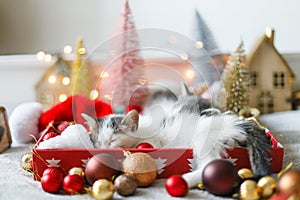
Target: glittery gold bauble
column 266, row 186
column 25, row 162
column 141, row 166
column 248, row 190
column 289, row 183
column 76, row 170
column 245, row 173
column 102, row 189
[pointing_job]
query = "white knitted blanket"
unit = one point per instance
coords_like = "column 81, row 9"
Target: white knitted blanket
column 16, row 184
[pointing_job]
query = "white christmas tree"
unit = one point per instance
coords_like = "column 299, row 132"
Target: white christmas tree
column 207, row 45
column 202, row 33
column 125, row 82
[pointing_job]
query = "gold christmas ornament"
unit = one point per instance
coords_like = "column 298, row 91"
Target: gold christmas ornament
column 245, row 173
column 76, row 170
column 248, row 190
column 266, row 186
column 201, row 186
column 26, row 162
column 102, row 189
column 141, row 166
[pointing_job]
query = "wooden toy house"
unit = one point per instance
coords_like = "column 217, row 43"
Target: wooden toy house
column 53, row 87
column 271, row 77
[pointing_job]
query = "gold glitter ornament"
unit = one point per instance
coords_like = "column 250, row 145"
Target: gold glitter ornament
column 201, row 186
column 25, row 162
column 140, row 166
column 76, row 170
column 266, row 186
column 245, row 173
column 248, row 190
column 102, row 189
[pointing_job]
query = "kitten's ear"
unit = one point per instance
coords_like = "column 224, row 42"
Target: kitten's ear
column 130, row 121
column 186, row 90
column 91, row 121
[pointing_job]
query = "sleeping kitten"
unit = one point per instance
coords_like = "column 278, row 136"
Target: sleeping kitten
column 118, row 130
column 186, row 122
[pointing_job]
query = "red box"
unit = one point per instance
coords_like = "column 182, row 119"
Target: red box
column 169, row 160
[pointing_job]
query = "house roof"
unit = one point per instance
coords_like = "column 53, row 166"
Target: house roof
column 268, row 38
column 59, row 66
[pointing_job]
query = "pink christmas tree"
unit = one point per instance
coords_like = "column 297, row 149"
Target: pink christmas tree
column 123, row 82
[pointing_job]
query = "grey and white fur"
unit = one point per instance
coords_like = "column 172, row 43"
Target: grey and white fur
column 187, row 121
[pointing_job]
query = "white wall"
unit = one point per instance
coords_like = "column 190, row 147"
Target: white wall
column 18, row 76
column 30, row 25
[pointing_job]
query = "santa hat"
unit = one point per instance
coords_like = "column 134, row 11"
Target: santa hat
column 28, row 119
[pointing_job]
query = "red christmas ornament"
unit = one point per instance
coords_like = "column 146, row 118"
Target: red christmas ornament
column 73, row 184
column 49, row 135
column 289, row 182
column 144, row 145
column 52, row 179
column 101, row 166
column 176, row 186
column 280, row 196
column 219, row 177
column 134, row 107
column 52, row 170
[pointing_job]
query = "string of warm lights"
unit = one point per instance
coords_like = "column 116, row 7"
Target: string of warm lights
column 62, row 81
column 94, row 93
column 47, row 57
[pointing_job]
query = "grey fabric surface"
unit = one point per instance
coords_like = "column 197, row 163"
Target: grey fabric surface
column 285, row 126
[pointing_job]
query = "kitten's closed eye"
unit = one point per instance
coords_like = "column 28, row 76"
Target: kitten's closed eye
column 111, row 125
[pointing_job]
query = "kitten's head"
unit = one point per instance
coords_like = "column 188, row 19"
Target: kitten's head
column 114, row 130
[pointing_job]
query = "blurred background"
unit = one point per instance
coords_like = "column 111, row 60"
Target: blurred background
column 29, row 27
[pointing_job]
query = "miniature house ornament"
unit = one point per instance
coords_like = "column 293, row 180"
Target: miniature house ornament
column 271, row 77
column 53, row 87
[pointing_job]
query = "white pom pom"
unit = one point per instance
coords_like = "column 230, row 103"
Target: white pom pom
column 24, row 120
column 74, row 136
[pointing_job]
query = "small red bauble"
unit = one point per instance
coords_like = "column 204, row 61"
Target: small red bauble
column 219, row 177
column 49, row 135
column 73, row 184
column 52, row 179
column 280, row 196
column 144, row 145
column 53, row 170
column 134, row 107
column 176, row 186
column 101, row 166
